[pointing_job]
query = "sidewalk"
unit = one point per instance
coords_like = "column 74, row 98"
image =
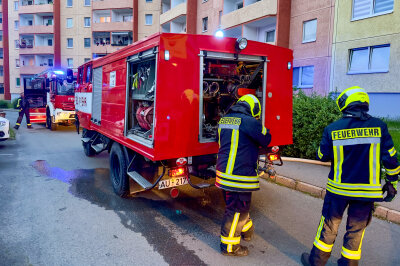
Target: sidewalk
column 311, row 178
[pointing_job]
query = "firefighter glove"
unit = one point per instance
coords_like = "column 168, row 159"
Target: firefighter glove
column 391, row 190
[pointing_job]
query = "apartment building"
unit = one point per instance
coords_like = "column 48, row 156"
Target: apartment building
column 311, row 31
column 366, row 51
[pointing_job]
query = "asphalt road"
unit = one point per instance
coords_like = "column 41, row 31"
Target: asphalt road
column 57, row 207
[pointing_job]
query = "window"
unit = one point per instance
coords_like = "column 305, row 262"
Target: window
column 50, row 61
column 69, row 3
column 16, row 63
column 16, row 42
column 87, row 42
column 86, row 60
column 69, row 23
column 1, row 88
column 239, row 4
column 70, row 43
column 18, row 82
column 87, row 21
column 87, row 3
column 270, row 36
column 16, row 5
column 1, row 53
column 369, row 8
column 70, row 62
column 371, row 59
column 149, row 19
column 309, row 31
column 149, row 1
column 49, row 42
column 1, row 71
column 105, row 19
column 303, row 77
column 16, row 24
column 205, row 24
column 219, row 18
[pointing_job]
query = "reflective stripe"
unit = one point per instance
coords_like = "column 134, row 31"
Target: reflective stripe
column 338, row 156
column 322, row 246
column 230, row 240
column 247, row 226
column 18, row 124
column 238, row 177
column 320, row 155
column 356, row 141
column 374, row 164
column 318, row 243
column 356, row 186
column 233, row 151
column 351, row 255
column 28, row 124
column 225, row 126
column 357, row 194
column 233, row 229
column 219, row 137
column 392, row 152
column 394, row 171
column 350, row 92
column 238, row 185
column 264, row 131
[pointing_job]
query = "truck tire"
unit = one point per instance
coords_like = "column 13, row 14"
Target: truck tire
column 118, row 169
column 53, row 126
column 48, row 119
column 87, row 149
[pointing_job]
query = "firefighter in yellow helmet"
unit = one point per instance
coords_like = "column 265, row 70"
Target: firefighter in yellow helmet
column 240, row 134
column 356, row 144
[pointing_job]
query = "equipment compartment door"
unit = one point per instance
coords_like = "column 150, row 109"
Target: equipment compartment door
column 97, row 91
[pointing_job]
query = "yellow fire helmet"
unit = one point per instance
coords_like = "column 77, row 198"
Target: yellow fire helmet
column 351, row 95
column 255, row 106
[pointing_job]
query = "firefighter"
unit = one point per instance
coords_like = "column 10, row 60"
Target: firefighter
column 357, row 144
column 240, row 134
column 23, row 105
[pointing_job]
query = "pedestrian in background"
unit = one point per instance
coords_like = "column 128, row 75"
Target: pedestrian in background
column 240, row 135
column 23, row 106
column 356, row 144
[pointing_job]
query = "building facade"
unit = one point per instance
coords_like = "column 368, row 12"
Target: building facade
column 366, row 52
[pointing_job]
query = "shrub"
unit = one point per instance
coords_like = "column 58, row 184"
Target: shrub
column 14, row 103
column 311, row 114
column 5, row 104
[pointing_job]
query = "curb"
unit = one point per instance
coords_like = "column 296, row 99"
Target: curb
column 300, row 160
column 318, row 192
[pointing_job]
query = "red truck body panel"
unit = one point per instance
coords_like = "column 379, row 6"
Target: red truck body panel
column 176, row 124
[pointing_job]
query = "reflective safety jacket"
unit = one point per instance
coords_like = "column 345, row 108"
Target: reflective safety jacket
column 357, row 148
column 239, row 137
column 22, row 103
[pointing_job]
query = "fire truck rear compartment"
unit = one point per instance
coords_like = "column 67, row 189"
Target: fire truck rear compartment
column 223, row 83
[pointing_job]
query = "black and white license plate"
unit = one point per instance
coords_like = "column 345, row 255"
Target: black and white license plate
column 172, row 182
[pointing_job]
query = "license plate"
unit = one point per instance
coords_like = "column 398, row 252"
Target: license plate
column 172, row 182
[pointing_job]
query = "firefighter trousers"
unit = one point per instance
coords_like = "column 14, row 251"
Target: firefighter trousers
column 236, row 221
column 359, row 216
column 21, row 115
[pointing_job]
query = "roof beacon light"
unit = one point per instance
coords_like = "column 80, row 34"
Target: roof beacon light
column 241, row 43
column 58, row 72
column 219, row 34
column 166, row 55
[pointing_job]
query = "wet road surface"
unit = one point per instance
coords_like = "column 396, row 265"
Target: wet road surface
column 57, row 207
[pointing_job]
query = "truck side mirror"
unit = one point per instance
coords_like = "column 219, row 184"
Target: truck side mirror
column 70, row 75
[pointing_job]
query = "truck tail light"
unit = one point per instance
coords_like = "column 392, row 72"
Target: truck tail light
column 273, row 157
column 178, row 171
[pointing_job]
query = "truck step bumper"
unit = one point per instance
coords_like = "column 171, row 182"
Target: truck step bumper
column 140, row 180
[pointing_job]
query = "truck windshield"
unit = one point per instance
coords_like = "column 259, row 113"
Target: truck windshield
column 64, row 88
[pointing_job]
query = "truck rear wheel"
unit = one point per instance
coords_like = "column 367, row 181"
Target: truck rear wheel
column 118, row 170
column 88, row 150
column 49, row 122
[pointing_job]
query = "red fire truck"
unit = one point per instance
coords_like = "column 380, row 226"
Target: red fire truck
column 54, row 98
column 155, row 105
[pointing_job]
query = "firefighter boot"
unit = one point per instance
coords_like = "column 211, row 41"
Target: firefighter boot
column 305, row 259
column 248, row 234
column 29, row 126
column 16, row 127
column 237, row 250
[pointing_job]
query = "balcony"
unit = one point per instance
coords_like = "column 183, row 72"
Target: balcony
column 37, row 29
column 31, row 7
column 32, row 50
column 177, row 25
column 31, row 70
column 111, row 4
column 235, row 15
column 104, row 49
column 112, row 26
column 175, row 12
